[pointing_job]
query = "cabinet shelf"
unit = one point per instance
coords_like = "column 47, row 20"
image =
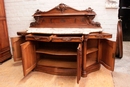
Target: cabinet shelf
column 57, row 51
column 90, row 62
column 56, row 63
column 91, row 50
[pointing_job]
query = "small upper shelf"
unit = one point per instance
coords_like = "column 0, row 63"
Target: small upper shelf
column 91, row 50
column 57, row 51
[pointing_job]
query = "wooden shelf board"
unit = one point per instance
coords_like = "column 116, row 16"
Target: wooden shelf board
column 91, row 50
column 57, row 63
column 90, row 62
column 57, row 51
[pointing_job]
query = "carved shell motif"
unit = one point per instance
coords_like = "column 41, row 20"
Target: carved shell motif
column 61, row 7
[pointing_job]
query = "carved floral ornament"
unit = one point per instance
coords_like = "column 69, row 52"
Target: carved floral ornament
column 62, row 7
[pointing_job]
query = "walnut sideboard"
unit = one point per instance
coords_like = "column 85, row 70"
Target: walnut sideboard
column 64, row 41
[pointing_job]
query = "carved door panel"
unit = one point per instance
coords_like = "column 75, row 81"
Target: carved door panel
column 79, row 62
column 107, row 52
column 16, row 49
column 28, row 57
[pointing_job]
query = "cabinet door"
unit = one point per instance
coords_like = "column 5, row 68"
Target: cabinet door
column 28, row 57
column 16, row 49
column 107, row 53
column 79, row 62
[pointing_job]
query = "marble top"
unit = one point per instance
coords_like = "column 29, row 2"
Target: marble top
column 63, row 30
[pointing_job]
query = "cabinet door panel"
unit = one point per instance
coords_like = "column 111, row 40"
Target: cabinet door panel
column 2, row 11
column 79, row 62
column 3, row 35
column 16, row 49
column 28, row 57
column 108, row 53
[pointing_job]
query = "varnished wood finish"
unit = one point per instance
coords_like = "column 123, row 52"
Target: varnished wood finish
column 63, row 15
column 67, row 38
column 57, row 70
column 4, row 40
column 66, row 54
column 92, row 68
column 16, row 42
column 22, row 33
column 79, row 62
column 97, row 48
column 2, row 9
column 108, row 49
column 28, row 57
column 45, row 38
column 99, row 35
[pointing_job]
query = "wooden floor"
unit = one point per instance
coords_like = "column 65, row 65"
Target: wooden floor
column 11, row 76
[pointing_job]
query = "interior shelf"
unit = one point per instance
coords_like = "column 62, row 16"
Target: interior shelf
column 57, row 63
column 57, row 51
column 91, row 50
column 90, row 62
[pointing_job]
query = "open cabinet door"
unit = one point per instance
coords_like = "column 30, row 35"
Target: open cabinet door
column 107, row 52
column 79, row 62
column 16, row 49
column 28, row 57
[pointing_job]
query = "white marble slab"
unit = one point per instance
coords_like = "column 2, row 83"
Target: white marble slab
column 63, row 30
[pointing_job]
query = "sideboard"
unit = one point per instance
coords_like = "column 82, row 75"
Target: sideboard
column 64, row 41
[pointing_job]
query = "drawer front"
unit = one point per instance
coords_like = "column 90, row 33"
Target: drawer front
column 38, row 38
column 67, row 39
column 98, row 36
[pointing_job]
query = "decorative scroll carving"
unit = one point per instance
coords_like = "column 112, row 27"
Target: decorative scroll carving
column 65, row 16
column 36, row 22
column 38, row 11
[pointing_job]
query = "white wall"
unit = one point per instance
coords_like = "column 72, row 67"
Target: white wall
column 19, row 13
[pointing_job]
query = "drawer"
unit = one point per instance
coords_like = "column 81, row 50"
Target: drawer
column 98, row 36
column 67, row 38
column 45, row 38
